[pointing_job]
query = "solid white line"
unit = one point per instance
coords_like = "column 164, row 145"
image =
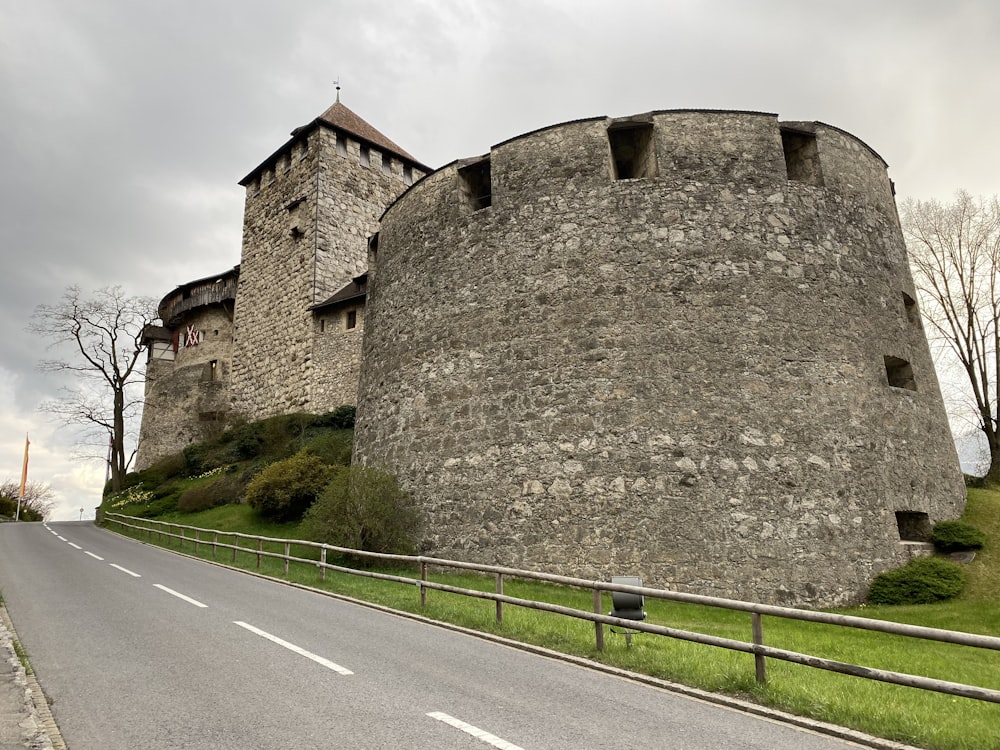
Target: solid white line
column 74, row 546
column 93, row 555
column 179, row 595
column 479, row 734
column 292, row 647
column 125, row 570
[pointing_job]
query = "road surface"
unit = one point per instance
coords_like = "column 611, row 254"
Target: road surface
column 140, row 648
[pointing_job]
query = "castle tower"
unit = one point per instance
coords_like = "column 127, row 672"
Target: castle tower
column 309, row 210
column 682, row 345
column 189, row 362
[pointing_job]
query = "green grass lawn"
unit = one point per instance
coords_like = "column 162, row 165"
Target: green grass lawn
column 916, row 717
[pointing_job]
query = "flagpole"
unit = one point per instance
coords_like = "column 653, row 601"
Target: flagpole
column 24, row 478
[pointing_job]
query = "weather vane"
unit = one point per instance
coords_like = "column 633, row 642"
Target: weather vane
column 337, row 84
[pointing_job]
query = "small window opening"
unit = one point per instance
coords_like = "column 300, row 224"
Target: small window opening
column 365, row 156
column 912, row 314
column 801, row 157
column 632, row 151
column 386, row 164
column 212, row 371
column 322, row 325
column 407, row 174
column 352, row 319
column 341, row 144
column 914, row 526
column 305, row 148
column 476, row 184
column 899, row 373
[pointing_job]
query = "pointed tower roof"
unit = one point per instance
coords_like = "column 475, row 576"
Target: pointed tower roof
column 340, row 118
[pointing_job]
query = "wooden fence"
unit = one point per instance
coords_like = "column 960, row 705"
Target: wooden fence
column 254, row 545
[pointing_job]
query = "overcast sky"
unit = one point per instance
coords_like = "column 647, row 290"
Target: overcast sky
column 126, row 124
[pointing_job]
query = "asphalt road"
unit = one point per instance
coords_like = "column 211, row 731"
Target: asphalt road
column 140, row 648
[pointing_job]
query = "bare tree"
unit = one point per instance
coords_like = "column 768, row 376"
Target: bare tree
column 36, row 505
column 954, row 249
column 105, row 331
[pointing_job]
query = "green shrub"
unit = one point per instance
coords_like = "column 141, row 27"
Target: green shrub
column 221, row 490
column 956, row 536
column 341, row 418
column 285, row 489
column 332, row 447
column 921, row 581
column 169, row 467
column 971, row 480
column 363, row 508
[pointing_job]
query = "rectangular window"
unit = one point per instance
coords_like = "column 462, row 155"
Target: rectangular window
column 801, row 157
column 476, row 184
column 341, row 144
column 899, row 373
column 912, row 314
column 386, row 164
column 352, row 319
column 407, row 174
column 365, row 156
column 633, row 151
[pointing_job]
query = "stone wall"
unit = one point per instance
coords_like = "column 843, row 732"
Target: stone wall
column 187, row 396
column 684, row 376
column 337, row 357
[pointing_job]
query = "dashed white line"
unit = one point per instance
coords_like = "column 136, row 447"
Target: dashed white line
column 479, row 734
column 292, row 647
column 93, row 555
column 74, row 546
column 179, row 595
column 125, row 570
column 61, row 538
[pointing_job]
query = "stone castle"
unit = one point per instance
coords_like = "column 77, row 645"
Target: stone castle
column 683, row 345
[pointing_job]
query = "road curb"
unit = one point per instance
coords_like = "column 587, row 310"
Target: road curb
column 38, row 726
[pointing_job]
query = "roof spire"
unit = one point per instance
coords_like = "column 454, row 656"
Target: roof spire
column 337, row 84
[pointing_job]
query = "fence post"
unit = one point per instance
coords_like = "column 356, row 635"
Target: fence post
column 759, row 660
column 197, row 537
column 215, row 542
column 260, row 547
column 598, row 626
column 236, row 544
column 499, row 590
column 181, row 540
column 322, row 563
column 288, row 553
column 423, row 578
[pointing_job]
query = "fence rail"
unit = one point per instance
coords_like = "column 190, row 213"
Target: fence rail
column 756, row 647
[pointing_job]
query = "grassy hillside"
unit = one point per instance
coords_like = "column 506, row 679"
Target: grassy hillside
column 907, row 715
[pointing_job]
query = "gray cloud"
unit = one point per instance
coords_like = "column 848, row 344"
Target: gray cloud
column 126, row 124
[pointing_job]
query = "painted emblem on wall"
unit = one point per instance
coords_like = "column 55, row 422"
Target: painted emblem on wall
column 193, row 337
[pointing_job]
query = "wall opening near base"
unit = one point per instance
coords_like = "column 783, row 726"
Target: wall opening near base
column 914, row 526
column 633, row 151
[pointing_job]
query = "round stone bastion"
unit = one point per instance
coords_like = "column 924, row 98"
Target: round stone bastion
column 683, row 345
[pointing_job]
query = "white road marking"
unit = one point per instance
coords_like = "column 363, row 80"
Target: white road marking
column 179, row 595
column 61, row 537
column 93, row 555
column 125, row 570
column 292, row 647
column 479, row 734
column 74, row 546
